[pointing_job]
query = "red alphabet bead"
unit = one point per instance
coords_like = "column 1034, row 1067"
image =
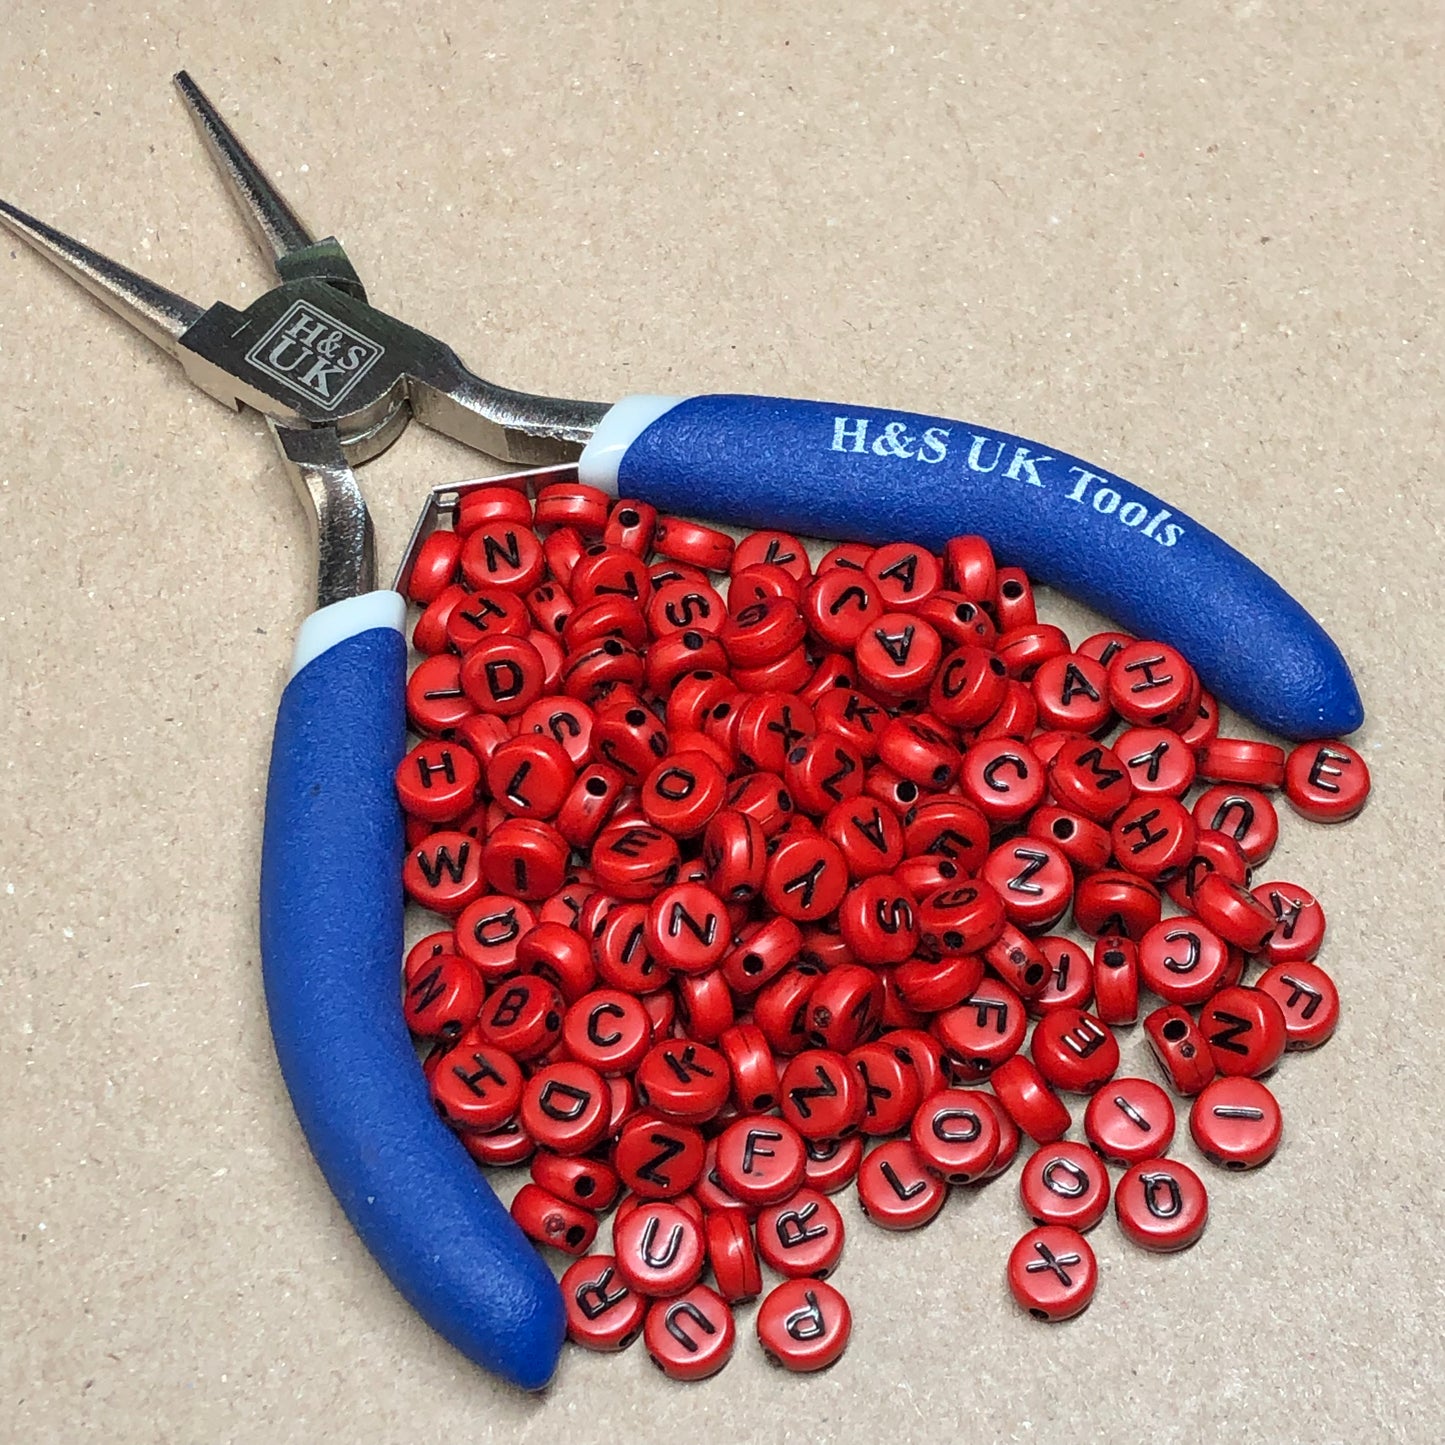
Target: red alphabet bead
column 684, row 1080
column 503, row 674
column 1151, row 685
column 1235, row 914
column 823, row 771
column 982, row 1032
column 897, row 655
column 1116, row 979
column 1014, row 601
column 489, row 933
column 523, row 1017
column 806, row 878
column 549, row 1220
column 1113, row 901
column 1085, row 843
column 437, row 780
column 607, row 1030
column 1130, row 1121
column 760, row 1160
column 1003, row 779
column 1052, row 1273
column 1031, row 1104
column 1072, row 693
column 443, row 996
column 1308, row 999
column 1153, row 837
column 526, row 857
column 435, row 700
column 565, row 1107
column 530, row 775
column 1181, row 1049
column 692, row 1336
column 486, row 613
column 435, row 568
column 869, row 834
column 1033, row 879
column 1074, row 1050
column 1242, row 760
column 1246, row 1031
column 1161, row 1205
column 1245, row 814
column 1158, row 761
column 1088, row 778
column 801, row 1236
column 659, row 1249
column 845, row 1008
column 602, row 1313
column 687, row 928
column 1299, row 922
column 733, row 1255
column 475, row 1086
column 1236, row 1123
column 1065, row 1183
column 969, row 688
column 499, row 502
column 1326, row 782
column 955, row 1135
column 966, row 918
column 890, row 1085
column 658, row 1158
column 895, row 1190
column 822, row 1097
column 634, row 861
column 1183, row 961
column 444, row 873
column 588, row 1182
column 833, row 1163
column 804, row 1325
column 838, row 605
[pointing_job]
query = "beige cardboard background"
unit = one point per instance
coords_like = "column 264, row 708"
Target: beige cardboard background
column 1199, row 243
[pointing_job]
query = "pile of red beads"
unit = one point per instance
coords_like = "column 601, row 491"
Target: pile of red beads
column 752, row 887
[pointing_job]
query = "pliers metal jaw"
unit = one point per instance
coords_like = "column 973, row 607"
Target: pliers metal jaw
column 337, row 381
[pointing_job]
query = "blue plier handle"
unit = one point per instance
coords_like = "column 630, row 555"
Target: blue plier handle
column 337, row 381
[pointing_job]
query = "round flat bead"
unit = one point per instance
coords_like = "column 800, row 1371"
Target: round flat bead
column 435, row 568
column 487, row 613
column 1065, row 1183
column 489, row 933
column 1326, row 782
column 1180, row 1048
column 904, row 575
column 890, row 1087
column 526, row 857
column 602, row 1312
column 1116, row 979
column 852, row 715
column 1104, row 646
column 986, row 1029
column 688, row 928
column 1032, row 1105
column 1244, row 814
column 1234, row 913
column 801, row 1237
column 634, row 861
column 869, row 834
column 1034, row 880
column 761, row 1160
column 969, row 564
column 1015, row 958
column 898, row 654
column 1074, row 1050
column 659, row 1249
column 838, row 605
column 769, row 726
column 804, row 1325
column 1130, row 1121
column 549, row 1220
column 565, row 1107
column 895, row 1190
column 733, row 1256
column 657, row 1158
column 1003, row 779
column 503, row 674
column 845, row 1008
column 705, row 1009
column 1242, row 760
column 437, row 780
column 608, row 1030
column 1115, row 901
column 777, row 549
column 1072, row 692
column 1087, row 777
column 684, row 1080
column 1014, row 601
column 588, row 1182
column 443, row 997
column 822, row 1097
column 523, row 1017
column 823, row 771
column 806, row 878
column 1052, row 1273
column 734, row 850
column 1017, row 715
column 1153, row 837
column 691, row 542
column 1299, row 922
column 1158, row 761
column 955, row 1135
column 530, row 775
column 1308, row 999
column 476, row 1086
column 1236, row 1123
column 1161, row 1205
column 630, row 525
column 1246, row 1031
column 932, row 985
column 1150, row 684
column 692, row 1336
column 962, row 918
column 969, row 687
column 444, row 873
column 1071, row 976
column 1085, row 843
column 1183, row 961
column 435, row 700
column 833, row 1163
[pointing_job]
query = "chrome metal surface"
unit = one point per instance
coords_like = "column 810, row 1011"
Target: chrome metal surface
column 336, row 378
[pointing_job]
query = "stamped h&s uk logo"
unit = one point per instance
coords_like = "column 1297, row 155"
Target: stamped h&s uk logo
column 315, row 355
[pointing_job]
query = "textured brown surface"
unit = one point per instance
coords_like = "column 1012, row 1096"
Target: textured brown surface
column 1198, row 243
